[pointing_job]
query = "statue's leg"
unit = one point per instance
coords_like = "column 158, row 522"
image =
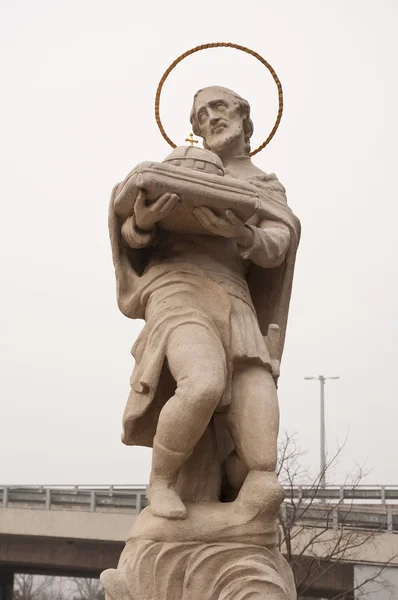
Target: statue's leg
column 196, row 360
column 253, row 421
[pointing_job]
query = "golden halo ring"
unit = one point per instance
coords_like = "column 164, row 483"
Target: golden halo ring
column 220, row 45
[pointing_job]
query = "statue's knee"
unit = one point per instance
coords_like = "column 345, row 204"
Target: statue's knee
column 210, row 391
column 208, row 386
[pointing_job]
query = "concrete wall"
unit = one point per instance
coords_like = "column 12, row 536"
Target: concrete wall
column 112, row 527
column 45, row 555
column 381, row 548
column 61, row 541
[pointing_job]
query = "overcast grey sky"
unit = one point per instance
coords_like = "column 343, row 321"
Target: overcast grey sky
column 78, row 83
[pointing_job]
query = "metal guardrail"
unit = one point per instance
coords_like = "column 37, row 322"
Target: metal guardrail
column 89, row 498
column 377, row 493
column 336, row 505
column 378, row 518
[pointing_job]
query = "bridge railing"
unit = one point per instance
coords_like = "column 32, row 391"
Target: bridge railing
column 382, row 518
column 368, row 507
column 91, row 498
column 377, row 494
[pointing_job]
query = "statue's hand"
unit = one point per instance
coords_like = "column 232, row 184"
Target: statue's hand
column 146, row 215
column 229, row 227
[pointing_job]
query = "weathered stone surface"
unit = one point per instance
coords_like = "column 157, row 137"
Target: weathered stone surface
column 196, row 571
column 204, row 247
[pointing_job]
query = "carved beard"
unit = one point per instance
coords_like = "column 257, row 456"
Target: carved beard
column 219, row 142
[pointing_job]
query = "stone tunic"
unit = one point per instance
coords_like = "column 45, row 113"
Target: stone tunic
column 224, row 262
column 221, row 261
column 200, row 279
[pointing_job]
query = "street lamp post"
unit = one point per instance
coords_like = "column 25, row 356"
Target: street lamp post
column 322, row 474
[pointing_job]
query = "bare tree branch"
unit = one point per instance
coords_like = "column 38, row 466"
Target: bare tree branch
column 318, row 534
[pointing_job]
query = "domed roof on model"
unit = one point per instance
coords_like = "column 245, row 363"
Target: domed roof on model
column 199, row 159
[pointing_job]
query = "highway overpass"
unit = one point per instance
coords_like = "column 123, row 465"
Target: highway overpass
column 80, row 530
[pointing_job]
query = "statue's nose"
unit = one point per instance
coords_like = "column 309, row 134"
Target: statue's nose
column 214, row 119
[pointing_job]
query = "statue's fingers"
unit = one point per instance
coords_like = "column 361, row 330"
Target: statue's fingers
column 159, row 203
column 164, row 198
column 207, row 211
column 211, row 216
column 171, row 203
column 140, row 201
column 197, row 213
column 203, row 219
column 232, row 218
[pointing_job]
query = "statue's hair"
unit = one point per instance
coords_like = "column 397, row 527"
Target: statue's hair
column 244, row 109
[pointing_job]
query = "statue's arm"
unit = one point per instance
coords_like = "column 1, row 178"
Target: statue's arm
column 269, row 245
column 139, row 229
column 134, row 236
column 264, row 241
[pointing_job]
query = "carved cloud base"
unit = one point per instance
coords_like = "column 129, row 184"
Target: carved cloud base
column 221, row 551
column 151, row 570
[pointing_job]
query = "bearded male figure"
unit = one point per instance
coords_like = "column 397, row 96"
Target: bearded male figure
column 207, row 299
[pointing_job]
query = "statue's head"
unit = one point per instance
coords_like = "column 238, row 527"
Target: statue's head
column 221, row 117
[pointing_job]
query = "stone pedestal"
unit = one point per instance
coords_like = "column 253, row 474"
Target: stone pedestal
column 221, row 551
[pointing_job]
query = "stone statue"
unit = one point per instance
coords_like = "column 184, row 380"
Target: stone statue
column 204, row 247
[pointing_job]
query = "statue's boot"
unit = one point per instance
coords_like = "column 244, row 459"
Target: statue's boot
column 165, row 502
column 163, row 499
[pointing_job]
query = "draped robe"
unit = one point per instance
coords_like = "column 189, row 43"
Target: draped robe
column 167, row 292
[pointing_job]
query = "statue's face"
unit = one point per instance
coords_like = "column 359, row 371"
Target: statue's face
column 219, row 118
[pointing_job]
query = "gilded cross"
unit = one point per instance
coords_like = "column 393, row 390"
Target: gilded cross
column 190, row 139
